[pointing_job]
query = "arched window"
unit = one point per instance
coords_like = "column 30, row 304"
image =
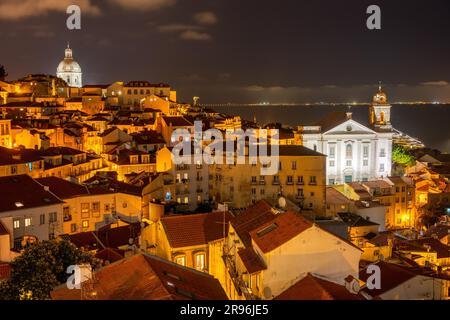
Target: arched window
column 348, row 151
column 381, row 117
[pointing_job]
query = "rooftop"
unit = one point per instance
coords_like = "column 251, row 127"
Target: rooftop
column 195, row 229
column 147, row 277
column 23, row 192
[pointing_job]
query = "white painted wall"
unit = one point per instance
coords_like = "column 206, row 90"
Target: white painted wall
column 314, row 250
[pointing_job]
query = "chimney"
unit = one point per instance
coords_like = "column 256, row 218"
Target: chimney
column 349, row 115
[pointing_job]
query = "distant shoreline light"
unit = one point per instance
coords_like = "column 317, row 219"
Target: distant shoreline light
column 265, row 104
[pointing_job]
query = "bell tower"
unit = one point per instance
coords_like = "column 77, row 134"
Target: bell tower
column 380, row 111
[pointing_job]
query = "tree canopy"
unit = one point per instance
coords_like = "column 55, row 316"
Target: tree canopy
column 401, row 156
column 42, row 267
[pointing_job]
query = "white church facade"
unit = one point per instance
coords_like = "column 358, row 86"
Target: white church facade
column 69, row 70
column 355, row 152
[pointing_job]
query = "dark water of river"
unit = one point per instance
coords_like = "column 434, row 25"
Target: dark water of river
column 428, row 123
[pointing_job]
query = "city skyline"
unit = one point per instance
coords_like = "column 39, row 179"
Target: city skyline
column 241, row 53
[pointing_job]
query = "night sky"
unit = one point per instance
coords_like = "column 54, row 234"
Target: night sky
column 240, row 50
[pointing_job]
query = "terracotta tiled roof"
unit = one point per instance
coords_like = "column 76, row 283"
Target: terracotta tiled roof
column 354, row 220
column 252, row 217
column 442, row 250
column 23, row 192
column 177, row 122
column 314, row 288
column 335, row 197
column 281, row 229
column 146, row 277
column 392, row 276
column 63, row 188
column 252, row 262
column 110, row 255
column 195, row 229
column 109, row 237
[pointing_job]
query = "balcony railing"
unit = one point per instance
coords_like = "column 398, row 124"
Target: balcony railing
column 239, row 283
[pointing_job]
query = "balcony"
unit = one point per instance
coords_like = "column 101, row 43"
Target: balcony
column 300, row 183
column 67, row 217
column 239, row 284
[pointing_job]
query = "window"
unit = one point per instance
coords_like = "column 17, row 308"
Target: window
column 262, row 191
column 365, row 162
column 253, row 190
column 348, row 151
column 200, row 261
column 85, row 208
column 53, row 218
column 348, row 163
column 42, row 219
column 13, row 169
column 294, row 165
column 299, row 192
column 181, row 260
column 85, row 224
column 300, row 180
column 66, row 213
column 124, row 205
column 289, row 179
column 107, row 207
column 365, row 151
column 397, row 189
column 331, row 163
column 186, row 200
column 332, row 152
column 312, row 180
column 27, row 222
column 95, row 209
column 381, row 167
column 253, row 180
column 331, row 181
column 73, row 227
column 16, row 224
column 276, row 179
column 382, row 152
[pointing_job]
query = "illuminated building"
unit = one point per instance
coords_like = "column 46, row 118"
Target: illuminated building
column 69, row 70
column 356, row 152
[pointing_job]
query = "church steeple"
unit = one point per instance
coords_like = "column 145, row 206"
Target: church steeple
column 380, row 110
column 68, row 52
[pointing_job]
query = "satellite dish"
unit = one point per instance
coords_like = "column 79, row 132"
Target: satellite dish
column 130, row 241
column 142, row 225
column 282, row 202
column 267, row 292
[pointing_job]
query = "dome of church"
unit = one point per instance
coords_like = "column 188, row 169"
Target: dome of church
column 69, row 65
column 69, row 70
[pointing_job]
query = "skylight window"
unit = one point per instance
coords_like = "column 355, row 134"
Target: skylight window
column 266, row 230
column 19, row 204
